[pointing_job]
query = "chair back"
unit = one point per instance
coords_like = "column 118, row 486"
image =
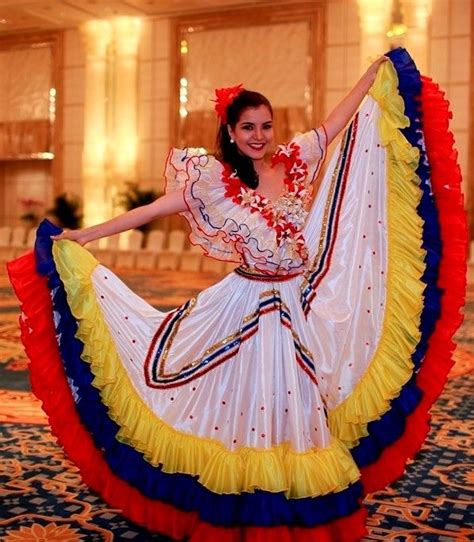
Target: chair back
column 5, row 236
column 176, row 241
column 18, row 236
column 112, row 242
column 155, row 241
column 134, row 241
column 31, row 238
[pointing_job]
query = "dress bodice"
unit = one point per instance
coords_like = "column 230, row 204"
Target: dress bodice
column 233, row 222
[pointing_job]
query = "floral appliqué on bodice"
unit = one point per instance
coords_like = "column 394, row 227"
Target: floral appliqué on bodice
column 287, row 214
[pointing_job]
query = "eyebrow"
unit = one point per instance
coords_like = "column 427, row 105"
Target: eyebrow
column 250, row 122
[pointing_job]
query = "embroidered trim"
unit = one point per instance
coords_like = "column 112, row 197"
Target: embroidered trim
column 321, row 262
column 253, row 274
column 323, row 150
column 287, row 214
column 155, row 361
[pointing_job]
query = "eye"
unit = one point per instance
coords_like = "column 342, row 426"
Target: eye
column 268, row 126
column 247, row 127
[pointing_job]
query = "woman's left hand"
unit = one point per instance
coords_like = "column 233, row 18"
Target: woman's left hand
column 373, row 68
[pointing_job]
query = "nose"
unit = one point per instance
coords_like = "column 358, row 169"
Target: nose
column 258, row 134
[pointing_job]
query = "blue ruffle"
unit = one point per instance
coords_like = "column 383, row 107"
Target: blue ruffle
column 391, row 426
column 182, row 491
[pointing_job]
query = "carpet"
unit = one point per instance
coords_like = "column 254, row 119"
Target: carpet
column 42, row 497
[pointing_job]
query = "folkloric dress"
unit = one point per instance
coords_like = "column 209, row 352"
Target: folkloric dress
column 266, row 407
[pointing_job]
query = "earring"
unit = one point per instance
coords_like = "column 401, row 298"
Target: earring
column 231, row 140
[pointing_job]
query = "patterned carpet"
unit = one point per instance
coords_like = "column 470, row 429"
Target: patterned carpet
column 42, row 497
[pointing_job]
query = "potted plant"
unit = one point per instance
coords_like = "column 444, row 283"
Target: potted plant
column 134, row 196
column 66, row 211
column 30, row 215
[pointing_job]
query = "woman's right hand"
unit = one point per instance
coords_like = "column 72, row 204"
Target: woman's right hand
column 72, row 235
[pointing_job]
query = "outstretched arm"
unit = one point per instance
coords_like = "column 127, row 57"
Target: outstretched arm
column 343, row 112
column 164, row 206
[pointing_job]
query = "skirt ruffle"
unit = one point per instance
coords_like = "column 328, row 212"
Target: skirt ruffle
column 379, row 426
column 399, row 434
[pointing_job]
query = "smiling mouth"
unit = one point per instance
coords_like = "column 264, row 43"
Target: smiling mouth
column 256, row 146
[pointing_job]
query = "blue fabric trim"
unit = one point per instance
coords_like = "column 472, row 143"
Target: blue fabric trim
column 180, row 490
column 391, row 426
column 345, row 146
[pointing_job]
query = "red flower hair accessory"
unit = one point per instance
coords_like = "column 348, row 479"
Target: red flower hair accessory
column 224, row 97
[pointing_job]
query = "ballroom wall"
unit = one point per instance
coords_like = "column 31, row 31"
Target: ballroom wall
column 153, row 104
column 449, row 64
column 448, row 58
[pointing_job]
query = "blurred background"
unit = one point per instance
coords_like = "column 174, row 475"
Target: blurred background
column 93, row 93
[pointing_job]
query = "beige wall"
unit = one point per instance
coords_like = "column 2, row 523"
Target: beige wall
column 449, row 61
column 23, row 179
column 449, row 64
column 73, row 125
column 342, row 51
column 153, row 104
column 154, row 101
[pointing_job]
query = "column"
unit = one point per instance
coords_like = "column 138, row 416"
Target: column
column 416, row 14
column 123, row 150
column 374, row 16
column 97, row 35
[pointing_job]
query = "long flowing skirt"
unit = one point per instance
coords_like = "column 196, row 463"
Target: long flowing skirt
column 267, row 410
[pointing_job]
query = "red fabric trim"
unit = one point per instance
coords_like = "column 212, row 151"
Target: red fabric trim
column 50, row 386
column 264, row 277
column 324, row 272
column 323, row 158
column 152, row 347
column 188, row 214
column 446, row 183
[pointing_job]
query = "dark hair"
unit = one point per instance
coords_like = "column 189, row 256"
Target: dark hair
column 226, row 151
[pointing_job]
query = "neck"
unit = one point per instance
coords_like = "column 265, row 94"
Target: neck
column 259, row 165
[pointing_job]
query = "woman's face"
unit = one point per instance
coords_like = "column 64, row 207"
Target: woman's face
column 253, row 132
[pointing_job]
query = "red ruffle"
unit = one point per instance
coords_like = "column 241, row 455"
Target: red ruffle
column 446, row 183
column 50, row 385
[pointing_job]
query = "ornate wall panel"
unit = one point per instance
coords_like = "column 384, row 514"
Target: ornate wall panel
column 279, row 53
column 27, row 102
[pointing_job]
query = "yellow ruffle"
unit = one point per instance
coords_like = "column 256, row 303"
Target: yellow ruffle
column 309, row 474
column 391, row 366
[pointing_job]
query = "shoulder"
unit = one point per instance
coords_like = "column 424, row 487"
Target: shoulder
column 190, row 165
column 180, row 159
column 315, row 138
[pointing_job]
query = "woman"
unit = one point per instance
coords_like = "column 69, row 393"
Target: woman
column 267, row 406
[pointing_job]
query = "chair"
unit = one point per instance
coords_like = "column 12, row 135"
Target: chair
column 229, row 267
column 6, row 252
column 147, row 257
column 18, row 237
column 191, row 259
column 18, row 244
column 211, row 265
column 93, row 245
column 129, row 246
column 5, row 236
column 170, row 258
column 107, row 251
column 29, row 243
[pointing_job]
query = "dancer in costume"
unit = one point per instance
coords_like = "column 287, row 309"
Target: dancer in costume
column 266, row 407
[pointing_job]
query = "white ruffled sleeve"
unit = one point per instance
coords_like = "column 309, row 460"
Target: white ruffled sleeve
column 313, row 147
column 209, row 213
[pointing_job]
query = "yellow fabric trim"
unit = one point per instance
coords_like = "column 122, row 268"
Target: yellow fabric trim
column 391, row 366
column 309, row 474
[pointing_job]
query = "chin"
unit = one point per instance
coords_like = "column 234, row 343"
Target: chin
column 257, row 155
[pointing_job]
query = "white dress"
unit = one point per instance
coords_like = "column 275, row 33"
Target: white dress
column 250, row 411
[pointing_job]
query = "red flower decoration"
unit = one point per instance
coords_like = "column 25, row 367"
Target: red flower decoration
column 287, row 231
column 225, row 96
